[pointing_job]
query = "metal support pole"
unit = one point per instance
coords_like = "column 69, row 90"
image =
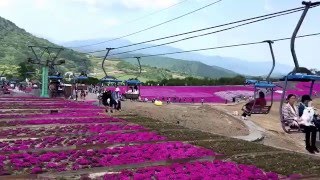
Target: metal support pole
column 311, row 88
column 45, row 66
column 273, row 59
column 104, row 59
column 138, row 58
column 295, row 32
column 44, row 88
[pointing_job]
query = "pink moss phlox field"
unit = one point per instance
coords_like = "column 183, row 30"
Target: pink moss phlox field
column 63, row 121
column 81, row 136
column 51, row 142
column 66, row 115
column 84, row 158
column 197, row 170
column 208, row 92
column 67, row 130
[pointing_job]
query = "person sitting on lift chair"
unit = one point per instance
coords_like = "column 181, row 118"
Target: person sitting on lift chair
column 260, row 102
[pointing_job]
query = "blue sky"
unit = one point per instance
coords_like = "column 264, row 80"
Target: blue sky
column 67, row 20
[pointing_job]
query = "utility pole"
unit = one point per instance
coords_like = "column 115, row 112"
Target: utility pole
column 46, row 64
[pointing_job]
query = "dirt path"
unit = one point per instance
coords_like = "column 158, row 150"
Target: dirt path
column 218, row 118
column 213, row 119
column 274, row 135
column 205, row 118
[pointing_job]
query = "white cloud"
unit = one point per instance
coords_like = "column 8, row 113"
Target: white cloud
column 147, row 4
column 5, row 3
column 129, row 4
column 111, row 22
column 89, row 2
column 41, row 4
column 93, row 9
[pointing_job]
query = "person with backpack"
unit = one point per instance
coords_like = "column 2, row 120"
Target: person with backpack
column 106, row 100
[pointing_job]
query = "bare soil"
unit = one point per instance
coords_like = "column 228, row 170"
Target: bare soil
column 219, row 119
column 204, row 118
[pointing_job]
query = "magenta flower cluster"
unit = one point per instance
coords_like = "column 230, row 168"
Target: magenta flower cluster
column 68, row 130
column 51, row 142
column 84, row 126
column 84, row 158
column 63, row 121
column 44, row 106
column 197, row 170
column 69, row 115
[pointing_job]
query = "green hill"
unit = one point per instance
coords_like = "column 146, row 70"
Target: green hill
column 124, row 70
column 193, row 68
column 14, row 43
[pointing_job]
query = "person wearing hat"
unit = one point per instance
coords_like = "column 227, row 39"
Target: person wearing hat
column 116, row 99
column 306, row 101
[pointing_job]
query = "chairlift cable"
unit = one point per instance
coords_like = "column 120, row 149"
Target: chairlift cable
column 154, row 26
column 204, row 29
column 156, row 12
column 205, row 34
column 222, row 47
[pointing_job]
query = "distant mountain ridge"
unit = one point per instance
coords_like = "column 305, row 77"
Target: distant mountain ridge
column 193, row 68
column 236, row 65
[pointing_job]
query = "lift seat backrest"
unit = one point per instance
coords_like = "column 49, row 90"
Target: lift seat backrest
column 260, row 110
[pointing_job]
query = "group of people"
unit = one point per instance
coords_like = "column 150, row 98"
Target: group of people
column 83, row 94
column 300, row 116
column 4, row 89
column 111, row 99
column 175, row 100
column 133, row 90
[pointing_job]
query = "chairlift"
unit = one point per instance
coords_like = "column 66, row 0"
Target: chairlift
column 108, row 79
column 82, row 77
column 258, row 85
column 80, row 81
column 55, row 77
column 299, row 74
column 133, row 84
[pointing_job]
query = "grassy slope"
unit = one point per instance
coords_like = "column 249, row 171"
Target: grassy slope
column 123, row 70
column 187, row 67
column 14, row 49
